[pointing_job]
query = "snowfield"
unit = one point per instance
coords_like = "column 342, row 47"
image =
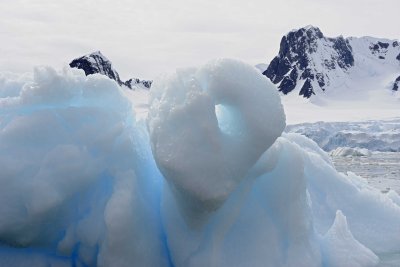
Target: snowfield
column 208, row 179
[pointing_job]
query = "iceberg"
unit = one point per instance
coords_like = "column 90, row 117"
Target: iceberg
column 350, row 152
column 215, row 137
column 209, row 179
column 76, row 174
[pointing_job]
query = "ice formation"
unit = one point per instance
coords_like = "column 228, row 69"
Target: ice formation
column 204, row 134
column 81, row 184
column 77, row 184
column 350, row 152
column 341, row 248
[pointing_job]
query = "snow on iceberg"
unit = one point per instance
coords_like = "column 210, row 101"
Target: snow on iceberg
column 208, row 127
column 341, row 247
column 81, row 184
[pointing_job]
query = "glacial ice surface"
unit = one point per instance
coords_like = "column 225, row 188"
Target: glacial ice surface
column 374, row 135
column 209, row 180
column 204, row 134
column 77, row 184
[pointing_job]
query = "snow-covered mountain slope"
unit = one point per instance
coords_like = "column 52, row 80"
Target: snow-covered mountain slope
column 96, row 62
column 318, row 67
column 261, row 67
column 137, row 82
column 377, row 135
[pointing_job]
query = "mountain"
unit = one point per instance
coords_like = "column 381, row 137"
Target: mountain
column 96, row 62
column 396, row 84
column 311, row 64
column 137, row 82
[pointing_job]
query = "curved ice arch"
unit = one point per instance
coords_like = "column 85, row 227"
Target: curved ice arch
column 202, row 153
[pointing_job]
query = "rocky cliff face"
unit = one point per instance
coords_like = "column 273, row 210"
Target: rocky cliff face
column 310, row 63
column 396, row 84
column 96, row 62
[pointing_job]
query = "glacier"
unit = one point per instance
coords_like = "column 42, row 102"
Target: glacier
column 207, row 178
column 375, row 135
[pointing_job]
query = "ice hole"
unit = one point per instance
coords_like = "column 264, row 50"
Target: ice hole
column 230, row 120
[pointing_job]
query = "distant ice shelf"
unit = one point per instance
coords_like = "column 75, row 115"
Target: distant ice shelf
column 374, row 135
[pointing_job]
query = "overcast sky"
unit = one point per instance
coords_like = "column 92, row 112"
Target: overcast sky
column 145, row 38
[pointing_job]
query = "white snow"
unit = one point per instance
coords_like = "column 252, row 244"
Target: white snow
column 368, row 81
column 81, row 184
column 300, row 110
column 359, row 92
column 262, row 67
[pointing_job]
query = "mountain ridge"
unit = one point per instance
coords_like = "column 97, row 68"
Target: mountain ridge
column 312, row 64
column 96, row 62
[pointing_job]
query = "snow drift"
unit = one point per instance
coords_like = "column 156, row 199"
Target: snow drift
column 80, row 183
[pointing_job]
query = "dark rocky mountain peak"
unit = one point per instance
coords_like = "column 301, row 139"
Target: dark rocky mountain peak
column 396, row 84
column 96, row 62
column 134, row 82
column 310, row 64
column 296, row 61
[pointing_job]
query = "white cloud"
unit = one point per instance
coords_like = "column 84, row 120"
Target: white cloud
column 144, row 38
